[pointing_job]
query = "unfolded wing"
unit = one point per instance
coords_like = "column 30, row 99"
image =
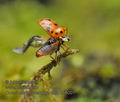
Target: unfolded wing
column 35, row 41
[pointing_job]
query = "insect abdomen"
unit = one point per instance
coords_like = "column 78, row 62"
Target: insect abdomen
column 45, row 50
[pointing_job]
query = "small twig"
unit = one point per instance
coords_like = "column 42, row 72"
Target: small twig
column 28, row 97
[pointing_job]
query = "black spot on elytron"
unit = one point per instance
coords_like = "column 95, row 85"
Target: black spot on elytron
column 56, row 33
column 56, row 24
column 51, row 31
column 61, row 31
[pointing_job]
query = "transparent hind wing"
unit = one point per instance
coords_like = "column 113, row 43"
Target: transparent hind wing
column 35, row 41
column 18, row 50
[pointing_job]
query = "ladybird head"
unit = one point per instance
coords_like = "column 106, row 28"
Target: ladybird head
column 65, row 38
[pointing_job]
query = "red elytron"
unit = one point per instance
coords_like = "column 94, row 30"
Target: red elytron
column 52, row 28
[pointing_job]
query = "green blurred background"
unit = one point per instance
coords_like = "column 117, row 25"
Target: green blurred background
column 94, row 27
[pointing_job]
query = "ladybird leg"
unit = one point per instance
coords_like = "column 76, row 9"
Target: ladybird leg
column 62, row 47
column 57, row 59
column 65, row 47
